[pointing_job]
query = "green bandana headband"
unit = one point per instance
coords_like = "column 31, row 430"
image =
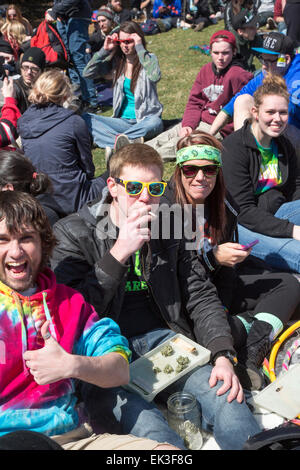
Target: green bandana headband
column 198, row 152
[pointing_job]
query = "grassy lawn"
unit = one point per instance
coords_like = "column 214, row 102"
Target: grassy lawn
column 179, row 66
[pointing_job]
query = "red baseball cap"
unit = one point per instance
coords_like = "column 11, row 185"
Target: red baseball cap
column 223, row 35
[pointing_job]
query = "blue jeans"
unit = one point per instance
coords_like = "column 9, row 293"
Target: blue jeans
column 105, row 129
column 281, row 253
column 282, row 27
column 75, row 35
column 231, row 423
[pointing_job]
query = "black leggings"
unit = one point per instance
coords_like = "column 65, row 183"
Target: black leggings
column 291, row 16
column 274, row 293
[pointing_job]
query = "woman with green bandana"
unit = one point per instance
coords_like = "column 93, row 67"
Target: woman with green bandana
column 259, row 302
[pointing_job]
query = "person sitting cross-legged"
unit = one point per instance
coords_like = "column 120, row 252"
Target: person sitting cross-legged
column 136, row 107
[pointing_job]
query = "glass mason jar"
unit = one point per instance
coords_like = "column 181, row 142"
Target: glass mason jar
column 184, row 418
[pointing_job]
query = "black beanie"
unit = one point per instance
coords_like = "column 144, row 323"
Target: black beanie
column 5, row 47
column 36, row 56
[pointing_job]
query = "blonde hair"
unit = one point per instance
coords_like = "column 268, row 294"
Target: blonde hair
column 273, row 84
column 15, row 30
column 52, row 86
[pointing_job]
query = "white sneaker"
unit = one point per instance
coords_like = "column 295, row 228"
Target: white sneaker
column 139, row 140
column 108, row 153
column 271, row 23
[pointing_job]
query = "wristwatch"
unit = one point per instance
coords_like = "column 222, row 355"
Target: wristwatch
column 228, row 355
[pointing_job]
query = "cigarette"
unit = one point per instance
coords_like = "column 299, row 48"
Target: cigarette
column 152, row 213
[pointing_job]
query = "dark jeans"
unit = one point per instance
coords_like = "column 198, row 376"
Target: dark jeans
column 263, row 292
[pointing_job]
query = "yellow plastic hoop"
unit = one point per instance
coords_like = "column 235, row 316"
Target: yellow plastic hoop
column 274, row 351
column 277, row 345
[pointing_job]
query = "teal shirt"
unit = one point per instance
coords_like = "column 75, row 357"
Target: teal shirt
column 128, row 105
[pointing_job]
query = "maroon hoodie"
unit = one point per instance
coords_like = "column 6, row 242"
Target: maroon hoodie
column 211, row 91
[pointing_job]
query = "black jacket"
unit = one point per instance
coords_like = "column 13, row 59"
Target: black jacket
column 22, row 92
column 184, row 295
column 225, row 278
column 241, row 164
column 66, row 9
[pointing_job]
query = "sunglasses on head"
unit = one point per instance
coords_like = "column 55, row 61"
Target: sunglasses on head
column 134, row 188
column 124, row 41
column 190, row 171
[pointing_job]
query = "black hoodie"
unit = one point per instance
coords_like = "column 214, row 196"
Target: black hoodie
column 241, row 164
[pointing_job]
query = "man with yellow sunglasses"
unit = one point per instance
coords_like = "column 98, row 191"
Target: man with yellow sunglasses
column 152, row 287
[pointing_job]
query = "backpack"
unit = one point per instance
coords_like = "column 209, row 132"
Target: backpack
column 150, row 27
column 48, row 39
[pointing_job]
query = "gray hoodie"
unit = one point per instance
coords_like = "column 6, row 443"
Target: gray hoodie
column 145, row 93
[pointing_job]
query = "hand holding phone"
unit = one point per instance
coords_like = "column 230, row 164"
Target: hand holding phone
column 250, row 245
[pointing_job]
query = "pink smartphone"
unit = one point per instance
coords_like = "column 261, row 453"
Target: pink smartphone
column 250, row 245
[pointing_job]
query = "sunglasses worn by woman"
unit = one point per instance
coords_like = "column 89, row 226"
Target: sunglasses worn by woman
column 190, row 171
column 254, row 302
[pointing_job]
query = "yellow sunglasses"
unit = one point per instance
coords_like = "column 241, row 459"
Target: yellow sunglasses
column 134, row 188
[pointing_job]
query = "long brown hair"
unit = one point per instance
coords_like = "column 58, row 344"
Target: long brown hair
column 215, row 202
column 129, row 27
column 19, row 18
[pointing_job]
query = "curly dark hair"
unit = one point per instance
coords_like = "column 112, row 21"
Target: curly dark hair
column 19, row 210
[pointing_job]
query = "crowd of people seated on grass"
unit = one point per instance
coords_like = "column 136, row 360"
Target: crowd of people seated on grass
column 85, row 286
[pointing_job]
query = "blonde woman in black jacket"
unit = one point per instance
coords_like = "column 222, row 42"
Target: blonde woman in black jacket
column 258, row 301
column 261, row 172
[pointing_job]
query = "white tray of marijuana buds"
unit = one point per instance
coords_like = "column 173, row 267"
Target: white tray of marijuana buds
column 165, row 364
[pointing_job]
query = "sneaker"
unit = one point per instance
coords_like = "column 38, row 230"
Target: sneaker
column 250, row 378
column 139, row 140
column 93, row 109
column 121, row 141
column 271, row 23
column 108, row 153
column 199, row 26
column 251, row 357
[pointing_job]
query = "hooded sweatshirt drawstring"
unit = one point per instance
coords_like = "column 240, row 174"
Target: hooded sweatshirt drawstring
column 48, row 316
column 23, row 329
column 23, row 325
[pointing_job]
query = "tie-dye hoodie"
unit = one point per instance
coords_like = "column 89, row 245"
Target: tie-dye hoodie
column 24, row 404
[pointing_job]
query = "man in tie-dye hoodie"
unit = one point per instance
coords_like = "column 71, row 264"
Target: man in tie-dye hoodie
column 49, row 336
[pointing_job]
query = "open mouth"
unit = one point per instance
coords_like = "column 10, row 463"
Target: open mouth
column 17, row 270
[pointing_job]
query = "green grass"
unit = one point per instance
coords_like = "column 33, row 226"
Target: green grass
column 179, row 67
